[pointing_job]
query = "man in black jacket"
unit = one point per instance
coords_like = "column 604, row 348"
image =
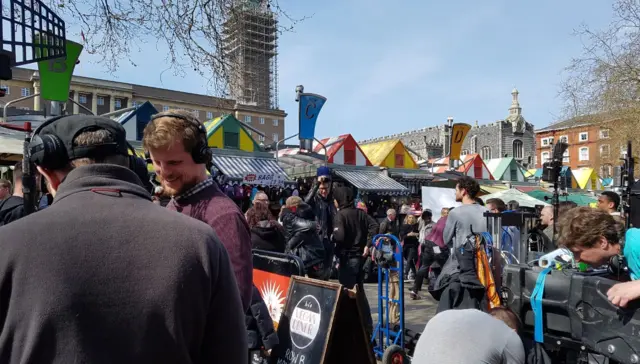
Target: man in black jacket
column 104, row 275
column 320, row 200
column 351, row 229
column 12, row 208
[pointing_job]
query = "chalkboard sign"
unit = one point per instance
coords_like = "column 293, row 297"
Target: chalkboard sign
column 318, row 320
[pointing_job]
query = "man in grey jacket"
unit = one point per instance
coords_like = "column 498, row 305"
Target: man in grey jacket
column 104, row 275
column 461, row 222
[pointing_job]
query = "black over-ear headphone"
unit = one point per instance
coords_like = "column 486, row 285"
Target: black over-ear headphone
column 49, row 152
column 201, row 154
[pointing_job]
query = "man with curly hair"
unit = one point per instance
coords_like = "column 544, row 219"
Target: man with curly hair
column 466, row 218
column 461, row 223
column 594, row 235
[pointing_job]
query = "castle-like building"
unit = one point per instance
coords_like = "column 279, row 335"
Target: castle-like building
column 511, row 137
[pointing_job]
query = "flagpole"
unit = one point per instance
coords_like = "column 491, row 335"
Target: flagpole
column 450, row 121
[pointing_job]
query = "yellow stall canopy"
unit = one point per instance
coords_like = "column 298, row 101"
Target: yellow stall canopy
column 389, row 153
column 226, row 132
column 587, row 179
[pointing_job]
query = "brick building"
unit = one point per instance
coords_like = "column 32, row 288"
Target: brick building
column 589, row 144
column 512, row 136
column 103, row 96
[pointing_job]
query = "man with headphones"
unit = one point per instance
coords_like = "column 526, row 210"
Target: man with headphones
column 104, row 274
column 176, row 143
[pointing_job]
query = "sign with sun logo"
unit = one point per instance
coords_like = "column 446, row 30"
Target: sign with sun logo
column 273, row 289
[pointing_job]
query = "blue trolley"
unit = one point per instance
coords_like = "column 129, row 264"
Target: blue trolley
column 388, row 343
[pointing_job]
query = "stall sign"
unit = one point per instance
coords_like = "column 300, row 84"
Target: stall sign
column 263, row 179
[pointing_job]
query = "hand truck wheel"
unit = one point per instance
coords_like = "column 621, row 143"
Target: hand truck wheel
column 394, row 355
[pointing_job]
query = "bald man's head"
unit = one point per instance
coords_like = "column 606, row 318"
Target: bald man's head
column 546, row 216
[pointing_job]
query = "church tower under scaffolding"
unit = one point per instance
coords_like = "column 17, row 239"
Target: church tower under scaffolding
column 250, row 44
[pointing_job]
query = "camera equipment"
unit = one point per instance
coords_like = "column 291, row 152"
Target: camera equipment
column 551, row 173
column 576, row 315
column 629, row 191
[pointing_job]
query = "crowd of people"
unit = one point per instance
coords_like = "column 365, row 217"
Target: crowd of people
column 100, row 273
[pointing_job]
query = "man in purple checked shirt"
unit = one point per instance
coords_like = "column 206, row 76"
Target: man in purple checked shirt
column 176, row 142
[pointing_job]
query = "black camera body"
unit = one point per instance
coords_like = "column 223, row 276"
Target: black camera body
column 577, row 316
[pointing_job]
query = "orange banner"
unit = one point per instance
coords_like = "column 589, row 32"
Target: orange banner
column 458, row 133
column 273, row 289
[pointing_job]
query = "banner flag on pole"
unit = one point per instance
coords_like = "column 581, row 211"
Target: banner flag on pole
column 459, row 131
column 309, row 109
column 55, row 74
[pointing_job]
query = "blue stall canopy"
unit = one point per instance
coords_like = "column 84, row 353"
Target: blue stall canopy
column 134, row 119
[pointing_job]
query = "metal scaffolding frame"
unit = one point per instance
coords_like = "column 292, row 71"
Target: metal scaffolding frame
column 250, row 45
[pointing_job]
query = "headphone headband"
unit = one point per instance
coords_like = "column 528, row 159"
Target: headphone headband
column 200, row 153
column 191, row 120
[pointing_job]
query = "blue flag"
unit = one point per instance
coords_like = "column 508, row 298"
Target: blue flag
column 310, row 106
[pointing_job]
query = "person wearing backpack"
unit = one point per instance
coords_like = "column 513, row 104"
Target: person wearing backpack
column 433, row 254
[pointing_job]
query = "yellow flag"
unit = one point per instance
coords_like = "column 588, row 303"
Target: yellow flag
column 459, row 132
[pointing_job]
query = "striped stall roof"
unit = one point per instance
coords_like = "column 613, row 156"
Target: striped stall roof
column 235, row 167
column 372, row 182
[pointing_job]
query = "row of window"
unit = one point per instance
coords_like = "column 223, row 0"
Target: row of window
column 247, row 119
column 605, row 151
column 100, row 101
column 485, row 152
column 583, row 155
column 24, row 92
column 582, row 137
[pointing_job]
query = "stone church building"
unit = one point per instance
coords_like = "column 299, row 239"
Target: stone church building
column 511, row 137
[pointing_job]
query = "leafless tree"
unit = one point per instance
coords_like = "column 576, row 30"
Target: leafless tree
column 188, row 33
column 604, row 82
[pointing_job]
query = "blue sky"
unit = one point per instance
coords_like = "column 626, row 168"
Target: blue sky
column 388, row 67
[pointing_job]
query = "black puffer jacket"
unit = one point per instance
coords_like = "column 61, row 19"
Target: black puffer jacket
column 268, row 235
column 301, row 233
column 260, row 330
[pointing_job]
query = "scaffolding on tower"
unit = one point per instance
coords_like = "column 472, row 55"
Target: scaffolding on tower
column 250, row 46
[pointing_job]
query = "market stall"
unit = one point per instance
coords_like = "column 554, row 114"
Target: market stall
column 389, row 153
column 513, row 194
column 587, row 179
column 244, row 173
column 580, row 199
column 506, row 169
column 134, row 119
column 470, row 165
column 226, row 132
column 342, row 149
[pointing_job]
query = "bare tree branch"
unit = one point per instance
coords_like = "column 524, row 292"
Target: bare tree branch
column 605, row 79
column 189, row 32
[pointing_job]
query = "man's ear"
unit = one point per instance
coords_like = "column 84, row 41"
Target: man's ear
column 51, row 177
column 604, row 243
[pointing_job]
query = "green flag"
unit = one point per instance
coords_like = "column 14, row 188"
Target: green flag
column 55, row 74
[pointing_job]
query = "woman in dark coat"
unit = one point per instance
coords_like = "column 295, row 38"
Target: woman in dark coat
column 303, row 240
column 266, row 232
column 409, row 233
